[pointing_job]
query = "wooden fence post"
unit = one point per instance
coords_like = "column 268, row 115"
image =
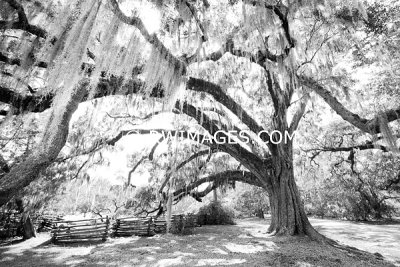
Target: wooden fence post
column 106, row 231
column 149, row 226
column 54, row 230
column 117, row 224
column 169, row 213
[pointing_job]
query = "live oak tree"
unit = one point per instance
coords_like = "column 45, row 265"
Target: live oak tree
column 277, row 55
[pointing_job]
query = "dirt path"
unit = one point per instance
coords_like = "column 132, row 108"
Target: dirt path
column 244, row 244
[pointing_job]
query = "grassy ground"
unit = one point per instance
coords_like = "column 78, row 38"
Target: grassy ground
column 244, row 244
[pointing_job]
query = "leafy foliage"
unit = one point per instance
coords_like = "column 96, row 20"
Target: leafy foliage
column 251, row 201
column 364, row 193
column 215, row 214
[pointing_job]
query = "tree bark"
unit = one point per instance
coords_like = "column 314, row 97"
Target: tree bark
column 288, row 216
column 287, row 210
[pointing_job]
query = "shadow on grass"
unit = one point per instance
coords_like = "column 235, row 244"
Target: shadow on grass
column 244, row 244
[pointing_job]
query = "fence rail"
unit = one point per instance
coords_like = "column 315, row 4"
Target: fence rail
column 45, row 222
column 133, row 226
column 80, row 230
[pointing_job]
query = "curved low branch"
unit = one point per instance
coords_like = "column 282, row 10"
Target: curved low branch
column 217, row 180
column 372, row 126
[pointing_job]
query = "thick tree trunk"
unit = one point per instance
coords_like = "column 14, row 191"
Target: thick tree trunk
column 54, row 139
column 287, row 210
column 288, row 216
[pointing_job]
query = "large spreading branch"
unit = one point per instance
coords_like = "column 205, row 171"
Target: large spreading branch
column 22, row 23
column 25, row 102
column 38, row 103
column 248, row 159
column 215, row 181
column 251, row 161
column 48, row 149
column 35, row 102
column 199, row 85
column 372, row 126
column 245, row 157
column 32, row 103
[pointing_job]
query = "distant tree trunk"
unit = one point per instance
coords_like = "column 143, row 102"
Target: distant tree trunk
column 260, row 213
column 27, row 226
column 215, row 195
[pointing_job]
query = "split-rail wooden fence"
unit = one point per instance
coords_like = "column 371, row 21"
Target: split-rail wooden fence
column 100, row 229
column 81, row 230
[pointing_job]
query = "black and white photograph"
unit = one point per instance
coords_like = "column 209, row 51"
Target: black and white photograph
column 161, row 133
